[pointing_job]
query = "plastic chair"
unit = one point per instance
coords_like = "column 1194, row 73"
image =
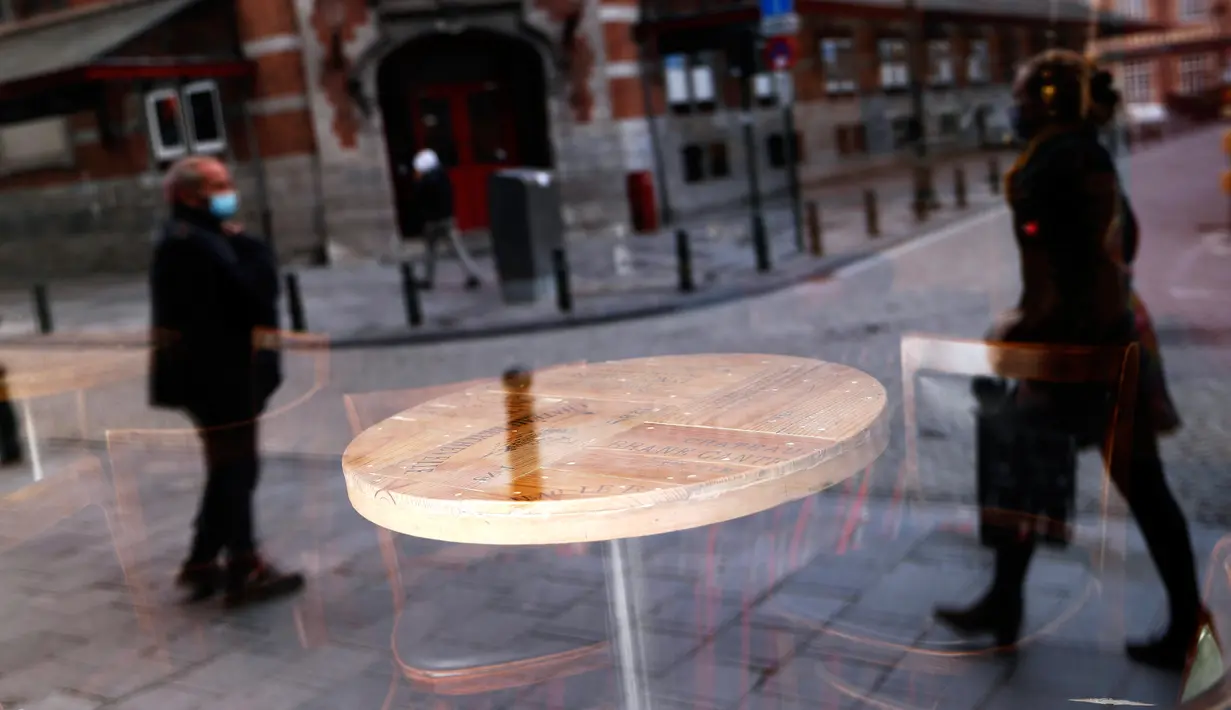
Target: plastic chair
column 449, row 666
column 1114, row 366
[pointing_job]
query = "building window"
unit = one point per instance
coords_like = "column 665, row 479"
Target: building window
column 720, row 165
column 35, row 145
column 851, row 139
column 950, row 125
column 763, row 89
column 1194, row 10
column 776, row 146
column 903, row 132
column 186, row 121
column 979, row 62
column 1008, row 57
column 1133, row 8
column 166, row 122
column 694, row 163
column 1138, row 82
column 838, row 61
column 895, row 68
column 203, row 114
column 1195, row 73
column 940, row 62
column 690, row 82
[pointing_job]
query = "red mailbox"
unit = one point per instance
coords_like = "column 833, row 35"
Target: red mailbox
column 641, row 202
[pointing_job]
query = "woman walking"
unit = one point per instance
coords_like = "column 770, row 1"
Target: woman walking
column 1069, row 224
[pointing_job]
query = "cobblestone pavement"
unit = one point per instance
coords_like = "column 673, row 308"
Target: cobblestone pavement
column 778, row 616
column 819, row 604
column 610, row 274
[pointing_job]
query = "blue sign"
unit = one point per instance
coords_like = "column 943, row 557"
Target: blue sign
column 774, row 8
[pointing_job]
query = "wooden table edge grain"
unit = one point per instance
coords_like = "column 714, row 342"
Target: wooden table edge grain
column 506, row 521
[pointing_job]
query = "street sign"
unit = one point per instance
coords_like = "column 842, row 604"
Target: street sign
column 780, row 53
column 778, row 18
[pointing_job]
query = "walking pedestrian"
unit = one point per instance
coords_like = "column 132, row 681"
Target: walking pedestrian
column 1066, row 204
column 434, row 197
column 214, row 292
column 10, row 438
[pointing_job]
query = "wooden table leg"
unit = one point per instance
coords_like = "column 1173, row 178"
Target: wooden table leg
column 624, row 578
column 36, row 456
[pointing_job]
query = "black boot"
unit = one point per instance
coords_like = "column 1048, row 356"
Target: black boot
column 1001, row 610
column 1173, row 650
column 202, row 580
column 250, row 580
column 998, row 615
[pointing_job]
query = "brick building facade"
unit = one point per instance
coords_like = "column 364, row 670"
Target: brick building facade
column 321, row 104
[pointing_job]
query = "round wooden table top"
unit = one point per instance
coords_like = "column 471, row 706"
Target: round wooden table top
column 31, row 371
column 617, row 449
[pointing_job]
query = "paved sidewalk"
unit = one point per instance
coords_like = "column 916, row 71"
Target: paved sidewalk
column 819, row 604
column 612, row 277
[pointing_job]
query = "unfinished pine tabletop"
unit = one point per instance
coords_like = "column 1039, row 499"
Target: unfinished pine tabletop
column 606, row 451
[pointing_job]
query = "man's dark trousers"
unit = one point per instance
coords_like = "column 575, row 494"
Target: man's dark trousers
column 225, row 520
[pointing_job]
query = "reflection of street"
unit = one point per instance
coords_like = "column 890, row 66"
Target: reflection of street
column 821, row 603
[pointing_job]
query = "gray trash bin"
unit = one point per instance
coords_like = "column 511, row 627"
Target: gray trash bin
column 526, row 227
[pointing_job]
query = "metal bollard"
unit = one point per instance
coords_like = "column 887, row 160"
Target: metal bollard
column 993, row 175
column 959, row 187
column 871, row 215
column 42, row 309
column 294, row 303
column 410, row 294
column 760, row 244
column 564, row 296
column 815, row 244
column 683, row 261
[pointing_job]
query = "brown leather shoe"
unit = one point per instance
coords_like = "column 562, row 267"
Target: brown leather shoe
column 254, row 580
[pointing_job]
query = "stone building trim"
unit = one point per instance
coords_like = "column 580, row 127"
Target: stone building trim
column 274, row 44
column 278, row 104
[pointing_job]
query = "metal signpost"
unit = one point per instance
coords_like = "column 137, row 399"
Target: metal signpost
column 780, row 26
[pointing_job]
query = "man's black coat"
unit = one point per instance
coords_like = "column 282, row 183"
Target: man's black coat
column 209, row 293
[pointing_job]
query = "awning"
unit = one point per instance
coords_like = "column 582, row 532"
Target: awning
column 75, row 40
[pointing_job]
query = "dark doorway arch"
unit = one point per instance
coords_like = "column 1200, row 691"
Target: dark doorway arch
column 479, row 99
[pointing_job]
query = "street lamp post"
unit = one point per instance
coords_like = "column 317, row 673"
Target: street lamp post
column 925, row 193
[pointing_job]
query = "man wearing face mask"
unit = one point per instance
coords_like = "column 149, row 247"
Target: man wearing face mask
column 214, row 294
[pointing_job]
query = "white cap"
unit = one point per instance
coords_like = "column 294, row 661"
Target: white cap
column 426, row 161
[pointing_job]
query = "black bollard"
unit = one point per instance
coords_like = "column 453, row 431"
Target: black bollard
column 815, row 243
column 993, row 175
column 410, row 294
column 871, row 215
column 760, row 244
column 294, row 303
column 42, row 309
column 564, row 295
column 959, row 187
column 683, row 261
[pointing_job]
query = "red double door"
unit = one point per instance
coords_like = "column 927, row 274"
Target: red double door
column 470, row 126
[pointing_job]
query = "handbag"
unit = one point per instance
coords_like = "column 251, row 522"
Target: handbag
column 1026, row 471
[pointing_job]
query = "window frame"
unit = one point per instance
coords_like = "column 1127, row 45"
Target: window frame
column 981, row 59
column 188, row 117
column 940, row 56
column 63, row 159
column 158, row 147
column 894, row 66
column 1139, row 71
column 1193, row 10
column 693, row 63
column 844, row 48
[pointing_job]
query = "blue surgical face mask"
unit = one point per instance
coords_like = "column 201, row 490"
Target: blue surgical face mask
column 224, row 205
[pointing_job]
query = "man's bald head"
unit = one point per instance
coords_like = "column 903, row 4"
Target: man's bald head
column 191, row 181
